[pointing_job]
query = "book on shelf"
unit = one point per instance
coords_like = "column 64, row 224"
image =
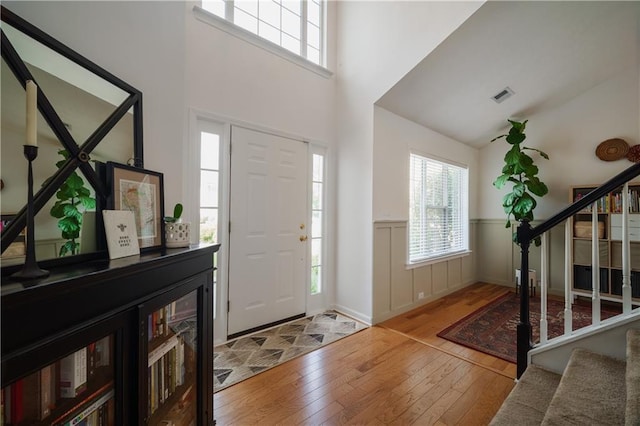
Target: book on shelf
column 103, row 352
column 91, row 411
column 73, row 374
column 165, row 372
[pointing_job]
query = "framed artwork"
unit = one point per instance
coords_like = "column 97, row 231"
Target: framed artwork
column 17, row 249
column 142, row 192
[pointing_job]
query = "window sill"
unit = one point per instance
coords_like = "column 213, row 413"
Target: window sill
column 441, row 259
column 236, row 31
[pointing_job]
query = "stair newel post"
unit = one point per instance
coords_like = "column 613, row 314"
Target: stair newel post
column 524, row 330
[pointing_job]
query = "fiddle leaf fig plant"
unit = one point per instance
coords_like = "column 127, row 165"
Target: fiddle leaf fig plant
column 519, row 169
column 73, row 198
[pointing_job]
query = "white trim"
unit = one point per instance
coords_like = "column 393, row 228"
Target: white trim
column 320, row 302
column 439, row 259
column 192, row 182
column 236, row 31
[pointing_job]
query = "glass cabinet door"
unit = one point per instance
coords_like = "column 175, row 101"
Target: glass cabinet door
column 77, row 389
column 172, row 354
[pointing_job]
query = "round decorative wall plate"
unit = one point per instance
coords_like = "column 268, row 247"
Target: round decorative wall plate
column 612, row 149
column 634, row 154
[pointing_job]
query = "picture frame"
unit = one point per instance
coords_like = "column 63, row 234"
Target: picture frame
column 141, row 191
column 17, row 249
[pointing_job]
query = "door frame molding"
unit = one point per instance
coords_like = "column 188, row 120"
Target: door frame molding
column 191, row 189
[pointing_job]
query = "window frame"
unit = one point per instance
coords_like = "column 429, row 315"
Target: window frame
column 462, row 251
column 226, row 24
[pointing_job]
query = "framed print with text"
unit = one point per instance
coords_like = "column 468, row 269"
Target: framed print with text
column 142, row 192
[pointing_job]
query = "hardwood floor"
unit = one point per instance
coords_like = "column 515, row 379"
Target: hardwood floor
column 398, row 372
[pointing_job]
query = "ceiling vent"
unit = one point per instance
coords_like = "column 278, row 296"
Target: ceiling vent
column 503, row 95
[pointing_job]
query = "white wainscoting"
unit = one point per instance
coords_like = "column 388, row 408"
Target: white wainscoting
column 498, row 256
column 397, row 289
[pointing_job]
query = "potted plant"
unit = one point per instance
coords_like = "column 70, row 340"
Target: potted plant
column 521, row 171
column 177, row 233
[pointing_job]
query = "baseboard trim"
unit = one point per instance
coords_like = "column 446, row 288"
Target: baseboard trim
column 351, row 313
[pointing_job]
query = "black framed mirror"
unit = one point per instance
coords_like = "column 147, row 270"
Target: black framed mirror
column 86, row 117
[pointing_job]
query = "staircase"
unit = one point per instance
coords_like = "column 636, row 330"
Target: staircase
column 594, row 389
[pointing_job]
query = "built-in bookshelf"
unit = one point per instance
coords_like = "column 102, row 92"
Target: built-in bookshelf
column 111, row 343
column 609, row 229
column 74, row 388
column 171, row 362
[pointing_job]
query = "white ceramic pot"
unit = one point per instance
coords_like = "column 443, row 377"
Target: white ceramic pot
column 177, row 234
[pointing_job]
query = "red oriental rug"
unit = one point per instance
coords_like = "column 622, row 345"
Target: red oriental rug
column 492, row 328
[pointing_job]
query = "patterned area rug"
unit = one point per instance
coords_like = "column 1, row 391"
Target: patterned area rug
column 246, row 356
column 492, row 328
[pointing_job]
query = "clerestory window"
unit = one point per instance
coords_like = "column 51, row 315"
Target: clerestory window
column 297, row 26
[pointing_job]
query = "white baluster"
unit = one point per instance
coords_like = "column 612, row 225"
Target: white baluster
column 626, row 249
column 543, row 287
column 595, row 266
column 568, row 277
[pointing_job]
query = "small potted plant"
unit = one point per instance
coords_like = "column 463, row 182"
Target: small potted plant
column 177, row 233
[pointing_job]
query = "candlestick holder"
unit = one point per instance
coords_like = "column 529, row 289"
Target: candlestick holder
column 30, row 270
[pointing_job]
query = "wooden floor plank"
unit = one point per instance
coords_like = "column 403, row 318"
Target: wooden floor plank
column 399, row 372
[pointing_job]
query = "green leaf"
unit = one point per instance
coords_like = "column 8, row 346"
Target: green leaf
column 83, row 192
column 72, row 212
column 68, row 225
column 524, row 205
column 512, row 157
column 74, row 181
column 70, row 247
column 60, row 163
column 177, row 211
column 88, row 203
column 542, row 154
column 64, row 193
column 517, row 126
column 64, row 153
column 519, row 189
column 497, row 137
column 531, row 170
column 57, row 210
column 500, row 181
column 516, row 138
column 509, row 199
column 536, row 186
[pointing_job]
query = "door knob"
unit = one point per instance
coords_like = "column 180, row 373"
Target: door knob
column 303, row 238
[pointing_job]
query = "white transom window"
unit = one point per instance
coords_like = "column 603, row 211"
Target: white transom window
column 295, row 25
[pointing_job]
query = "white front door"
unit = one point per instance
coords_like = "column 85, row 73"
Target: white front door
column 267, row 241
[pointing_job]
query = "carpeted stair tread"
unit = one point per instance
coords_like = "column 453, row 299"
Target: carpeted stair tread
column 592, row 391
column 632, row 414
column 529, row 399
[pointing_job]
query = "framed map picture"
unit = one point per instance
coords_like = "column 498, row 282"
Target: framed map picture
column 142, row 192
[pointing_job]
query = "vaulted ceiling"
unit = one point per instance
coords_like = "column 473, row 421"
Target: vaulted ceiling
column 546, row 52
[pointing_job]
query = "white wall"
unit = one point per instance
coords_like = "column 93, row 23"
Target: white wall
column 379, row 42
column 569, row 134
column 143, row 44
column 394, row 137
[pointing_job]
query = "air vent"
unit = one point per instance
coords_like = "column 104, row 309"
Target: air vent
column 504, row 94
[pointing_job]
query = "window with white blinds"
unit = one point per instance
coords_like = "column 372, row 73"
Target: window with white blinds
column 438, row 216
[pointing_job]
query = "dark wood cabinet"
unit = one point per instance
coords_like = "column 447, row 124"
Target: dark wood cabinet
column 128, row 341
